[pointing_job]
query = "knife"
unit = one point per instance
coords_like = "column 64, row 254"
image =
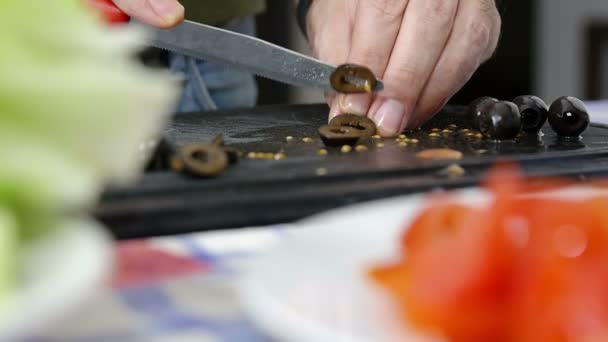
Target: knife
column 234, row 49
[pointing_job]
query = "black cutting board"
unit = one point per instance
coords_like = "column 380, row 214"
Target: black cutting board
column 258, row 192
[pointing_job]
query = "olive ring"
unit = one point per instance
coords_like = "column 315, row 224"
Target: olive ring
column 352, row 78
column 346, row 129
column 203, row 160
column 362, row 125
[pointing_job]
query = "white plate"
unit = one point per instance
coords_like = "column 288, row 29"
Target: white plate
column 59, row 272
column 313, row 285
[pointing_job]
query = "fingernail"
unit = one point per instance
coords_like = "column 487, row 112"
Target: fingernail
column 334, row 109
column 169, row 10
column 355, row 103
column 390, row 117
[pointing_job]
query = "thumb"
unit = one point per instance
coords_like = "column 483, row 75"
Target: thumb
column 159, row 13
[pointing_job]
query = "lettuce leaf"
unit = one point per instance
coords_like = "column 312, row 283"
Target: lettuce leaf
column 75, row 105
column 8, row 250
column 73, row 82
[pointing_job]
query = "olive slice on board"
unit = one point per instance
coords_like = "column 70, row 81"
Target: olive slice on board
column 534, row 112
column 233, row 154
column 203, row 160
column 477, row 107
column 352, row 78
column 362, row 125
column 568, row 116
column 338, row 135
column 500, row 121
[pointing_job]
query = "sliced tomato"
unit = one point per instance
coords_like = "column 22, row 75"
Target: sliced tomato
column 524, row 269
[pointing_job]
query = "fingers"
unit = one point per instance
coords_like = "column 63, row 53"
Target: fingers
column 376, row 26
column 330, row 40
column 159, row 13
column 472, row 42
column 426, row 27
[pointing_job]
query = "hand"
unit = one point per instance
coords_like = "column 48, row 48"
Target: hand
column 423, row 50
column 159, row 13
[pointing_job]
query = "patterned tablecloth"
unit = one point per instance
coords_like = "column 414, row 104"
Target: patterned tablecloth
column 173, row 289
column 181, row 288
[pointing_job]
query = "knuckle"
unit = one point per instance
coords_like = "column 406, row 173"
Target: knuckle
column 488, row 6
column 391, row 9
column 478, row 33
column 440, row 10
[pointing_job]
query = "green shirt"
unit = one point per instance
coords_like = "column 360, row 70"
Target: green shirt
column 216, row 12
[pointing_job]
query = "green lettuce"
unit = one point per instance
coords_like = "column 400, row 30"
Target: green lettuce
column 75, row 106
column 8, row 250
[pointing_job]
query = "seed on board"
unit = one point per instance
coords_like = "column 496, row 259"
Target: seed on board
column 346, row 149
column 470, row 134
column 452, row 126
column 402, row 136
column 380, row 145
column 435, row 130
column 289, row 138
column 414, row 141
column 447, row 131
column 322, row 152
column 455, row 170
column 280, row 156
column 440, row 154
column 251, row 155
column 321, row 171
column 402, row 144
column 478, row 135
column 465, row 130
column 307, row 140
column 360, row 148
column 434, row 135
column 397, row 140
column 376, row 137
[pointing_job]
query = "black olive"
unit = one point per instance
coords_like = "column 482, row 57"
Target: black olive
column 476, row 108
column 568, row 116
column 339, row 135
column 352, row 78
column 500, row 121
column 534, row 112
column 204, row 160
column 362, row 125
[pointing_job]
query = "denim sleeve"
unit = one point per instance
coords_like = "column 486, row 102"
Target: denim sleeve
column 211, row 86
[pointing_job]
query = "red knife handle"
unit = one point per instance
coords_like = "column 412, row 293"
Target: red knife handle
column 110, row 13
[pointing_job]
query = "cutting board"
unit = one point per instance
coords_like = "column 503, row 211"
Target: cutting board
column 259, row 192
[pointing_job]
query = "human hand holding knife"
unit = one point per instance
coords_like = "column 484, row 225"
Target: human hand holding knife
column 234, row 49
column 423, row 50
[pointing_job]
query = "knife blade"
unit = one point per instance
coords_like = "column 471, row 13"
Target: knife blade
column 246, row 53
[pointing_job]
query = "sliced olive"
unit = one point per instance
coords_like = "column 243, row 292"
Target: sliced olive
column 338, row 135
column 362, row 125
column 534, row 113
column 568, row 116
column 233, row 154
column 204, row 160
column 352, row 78
column 218, row 140
column 477, row 107
column 500, row 121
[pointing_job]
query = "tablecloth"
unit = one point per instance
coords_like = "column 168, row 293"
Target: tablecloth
column 173, row 289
